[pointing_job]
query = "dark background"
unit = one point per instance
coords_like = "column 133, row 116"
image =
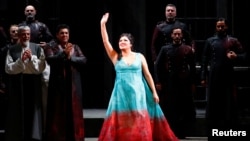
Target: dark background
column 135, row 16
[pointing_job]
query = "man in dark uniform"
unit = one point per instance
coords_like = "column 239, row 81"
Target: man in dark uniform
column 40, row 32
column 221, row 53
column 175, row 77
column 162, row 32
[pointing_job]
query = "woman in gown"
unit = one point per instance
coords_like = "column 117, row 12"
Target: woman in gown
column 133, row 112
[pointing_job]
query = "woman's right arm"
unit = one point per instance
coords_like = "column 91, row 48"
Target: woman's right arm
column 112, row 54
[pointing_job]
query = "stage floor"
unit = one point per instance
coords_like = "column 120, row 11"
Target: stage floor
column 100, row 113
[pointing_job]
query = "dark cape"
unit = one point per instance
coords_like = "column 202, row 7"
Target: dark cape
column 64, row 109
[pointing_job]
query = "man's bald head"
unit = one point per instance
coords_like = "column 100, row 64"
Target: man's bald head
column 30, row 12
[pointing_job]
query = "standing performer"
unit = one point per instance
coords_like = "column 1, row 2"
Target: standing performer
column 221, row 53
column 133, row 113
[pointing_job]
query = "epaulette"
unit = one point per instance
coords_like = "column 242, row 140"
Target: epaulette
column 160, row 22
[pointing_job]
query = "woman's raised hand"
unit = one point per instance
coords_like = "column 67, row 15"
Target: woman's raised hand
column 104, row 18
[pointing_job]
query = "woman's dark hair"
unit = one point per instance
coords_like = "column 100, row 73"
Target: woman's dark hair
column 131, row 39
column 129, row 36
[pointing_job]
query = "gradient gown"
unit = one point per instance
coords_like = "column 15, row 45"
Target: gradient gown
column 132, row 115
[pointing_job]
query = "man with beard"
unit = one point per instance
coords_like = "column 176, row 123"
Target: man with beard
column 40, row 34
column 25, row 62
column 175, row 78
column 162, row 32
column 221, row 52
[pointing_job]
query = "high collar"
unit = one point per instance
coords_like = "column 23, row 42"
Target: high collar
column 177, row 45
column 171, row 21
column 222, row 36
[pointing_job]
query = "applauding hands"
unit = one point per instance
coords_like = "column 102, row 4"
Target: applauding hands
column 69, row 50
column 26, row 55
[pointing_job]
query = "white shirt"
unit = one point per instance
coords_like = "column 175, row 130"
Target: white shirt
column 33, row 66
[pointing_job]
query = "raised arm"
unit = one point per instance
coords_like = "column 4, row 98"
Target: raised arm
column 112, row 54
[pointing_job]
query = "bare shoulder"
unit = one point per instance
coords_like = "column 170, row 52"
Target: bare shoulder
column 138, row 53
column 142, row 57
